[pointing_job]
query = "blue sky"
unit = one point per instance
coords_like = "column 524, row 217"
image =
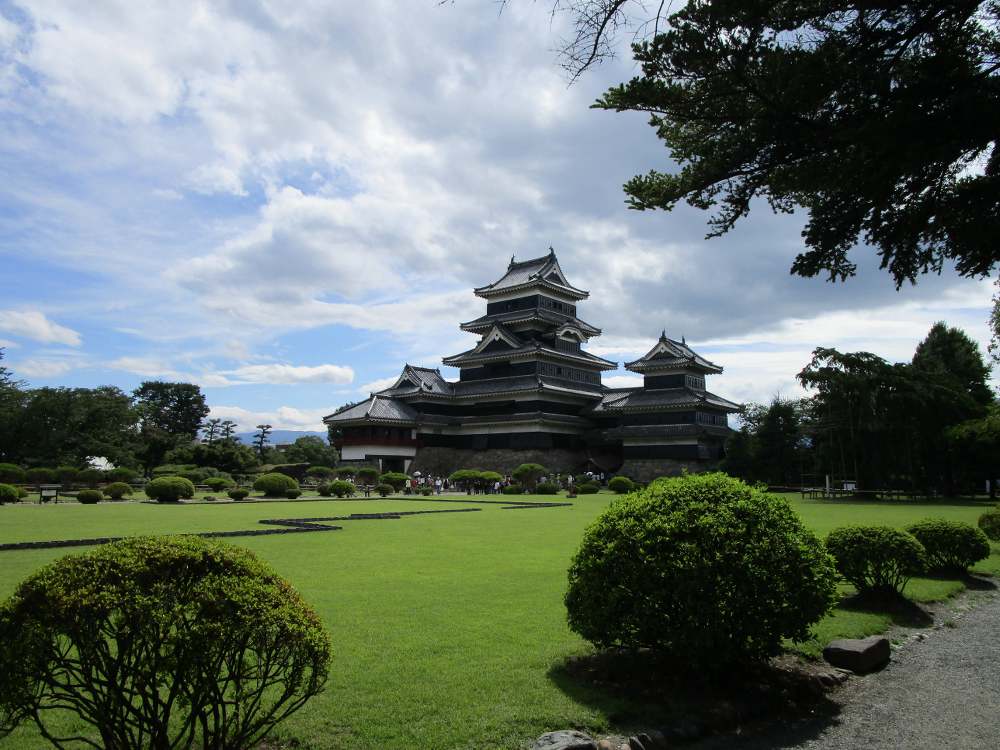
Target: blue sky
column 285, row 203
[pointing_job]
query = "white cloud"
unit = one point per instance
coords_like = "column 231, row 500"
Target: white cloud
column 43, row 368
column 379, row 384
column 622, row 381
column 33, row 324
column 286, row 374
column 282, row 418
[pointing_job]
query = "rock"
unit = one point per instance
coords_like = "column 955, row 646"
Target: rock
column 606, row 745
column 858, row 654
column 657, row 740
column 634, row 743
column 568, row 739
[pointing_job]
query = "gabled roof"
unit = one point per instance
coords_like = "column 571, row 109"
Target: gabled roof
column 498, row 333
column 418, row 379
column 534, row 313
column 476, row 356
column 542, row 272
column 640, row 399
column 375, row 409
column 671, row 354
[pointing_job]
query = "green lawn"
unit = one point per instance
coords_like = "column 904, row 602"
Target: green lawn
column 448, row 629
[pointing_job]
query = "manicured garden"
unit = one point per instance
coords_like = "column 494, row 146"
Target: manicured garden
column 449, row 630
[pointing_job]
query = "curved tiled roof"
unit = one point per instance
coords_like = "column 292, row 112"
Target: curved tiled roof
column 375, row 409
column 669, row 353
column 544, row 271
column 641, row 399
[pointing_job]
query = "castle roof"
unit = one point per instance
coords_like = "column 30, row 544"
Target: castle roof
column 376, row 409
column 541, row 272
column 641, row 399
column 669, row 354
column 534, row 313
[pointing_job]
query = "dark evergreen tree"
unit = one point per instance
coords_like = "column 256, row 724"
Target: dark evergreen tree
column 879, row 119
column 261, row 439
column 170, row 414
column 312, row 450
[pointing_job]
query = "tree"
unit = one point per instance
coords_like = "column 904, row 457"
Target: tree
column 877, row 118
column 211, row 429
column 951, row 355
column 159, row 643
column 227, row 429
column 778, row 454
column 260, row 439
column 311, row 450
column 529, row 474
column 11, row 401
column 169, row 414
column 977, row 441
column 995, row 326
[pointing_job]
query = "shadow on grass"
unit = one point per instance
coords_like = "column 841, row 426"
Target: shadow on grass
column 971, row 581
column 639, row 691
column 900, row 610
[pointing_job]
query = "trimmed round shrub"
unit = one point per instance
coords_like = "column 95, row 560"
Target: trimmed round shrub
column 169, row 489
column 89, row 497
column 238, row 493
column 206, row 620
column 367, row 475
column 8, row 493
column 320, row 472
column 587, row 488
column 621, row 485
column 292, row 494
column 67, row 474
column 513, row 489
column 385, row 489
column 426, row 491
column 275, row 484
column 324, row 490
column 490, row 478
column 703, row 569
column 117, row 490
column 989, row 522
column 950, row 545
column 342, row 488
column 41, row 475
column 395, row 479
column 219, row 484
column 11, row 474
column 346, row 471
column 529, row 474
column 90, row 477
column 547, row 488
column 122, row 474
column 876, row 558
column 466, row 478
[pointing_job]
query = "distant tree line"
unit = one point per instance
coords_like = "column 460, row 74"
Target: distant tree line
column 158, row 423
column 932, row 424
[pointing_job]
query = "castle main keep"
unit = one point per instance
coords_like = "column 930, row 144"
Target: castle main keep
column 529, row 391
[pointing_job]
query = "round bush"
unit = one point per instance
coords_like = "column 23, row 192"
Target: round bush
column 275, row 484
column 8, row 493
column 122, row 474
column 513, row 489
column 385, row 489
column 876, row 558
column 206, row 620
column 219, row 484
column 342, row 488
column 426, row 491
column 547, row 488
column 89, row 497
column 324, row 489
column 292, row 494
column 394, row 479
column 169, row 489
column 91, row 477
column 587, row 488
column 703, row 569
column 346, row 471
column 367, row 475
column 67, row 474
column 989, row 522
column 320, row 472
column 621, row 485
column 41, row 475
column 950, row 545
column 238, row 493
column 117, row 490
column 11, row 474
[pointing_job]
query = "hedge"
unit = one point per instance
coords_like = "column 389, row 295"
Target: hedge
column 876, row 558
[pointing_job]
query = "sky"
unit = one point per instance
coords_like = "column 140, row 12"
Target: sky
column 285, row 202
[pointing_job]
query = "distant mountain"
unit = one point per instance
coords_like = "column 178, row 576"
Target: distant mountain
column 280, row 437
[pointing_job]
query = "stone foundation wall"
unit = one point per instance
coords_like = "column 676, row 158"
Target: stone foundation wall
column 443, row 461
column 645, row 470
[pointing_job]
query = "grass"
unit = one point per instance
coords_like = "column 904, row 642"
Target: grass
column 448, row 630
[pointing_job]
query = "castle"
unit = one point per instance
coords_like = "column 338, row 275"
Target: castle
column 529, row 392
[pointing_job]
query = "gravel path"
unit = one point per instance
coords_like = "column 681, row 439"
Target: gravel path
column 941, row 692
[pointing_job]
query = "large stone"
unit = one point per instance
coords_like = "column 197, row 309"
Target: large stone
column 859, row 655
column 568, row 739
